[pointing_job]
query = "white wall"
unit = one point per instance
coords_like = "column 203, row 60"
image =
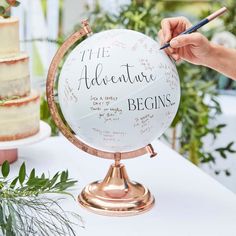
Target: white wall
column 74, row 11
column 34, row 25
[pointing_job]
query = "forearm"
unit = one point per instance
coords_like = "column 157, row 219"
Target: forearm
column 222, row 60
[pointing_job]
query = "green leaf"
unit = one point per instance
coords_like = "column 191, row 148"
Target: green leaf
column 67, row 174
column 1, row 217
column 53, row 180
column 22, row 174
column 37, row 182
column 221, row 126
column 9, row 226
column 32, row 174
column 13, row 183
column 65, row 185
column 2, row 10
column 7, row 15
column 63, row 176
column 5, row 169
column 16, row 4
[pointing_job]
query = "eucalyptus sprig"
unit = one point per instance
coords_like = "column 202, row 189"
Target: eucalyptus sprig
column 25, row 206
column 5, row 6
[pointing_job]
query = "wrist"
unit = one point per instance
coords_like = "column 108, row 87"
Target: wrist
column 211, row 58
column 221, row 59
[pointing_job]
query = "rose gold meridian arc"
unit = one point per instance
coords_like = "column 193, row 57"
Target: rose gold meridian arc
column 84, row 31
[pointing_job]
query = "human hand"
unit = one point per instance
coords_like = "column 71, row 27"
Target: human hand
column 193, row 47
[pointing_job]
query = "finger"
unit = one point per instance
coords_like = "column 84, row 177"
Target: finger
column 174, row 25
column 182, row 25
column 170, row 50
column 166, row 28
column 175, row 56
column 161, row 37
column 184, row 40
column 178, row 52
column 181, row 52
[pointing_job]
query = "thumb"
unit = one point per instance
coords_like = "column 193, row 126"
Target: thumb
column 188, row 39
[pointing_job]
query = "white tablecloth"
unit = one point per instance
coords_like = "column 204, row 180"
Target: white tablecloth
column 188, row 201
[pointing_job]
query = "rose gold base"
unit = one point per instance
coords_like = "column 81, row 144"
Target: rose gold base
column 8, row 155
column 116, row 195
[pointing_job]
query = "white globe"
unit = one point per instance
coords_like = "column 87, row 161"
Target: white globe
column 118, row 91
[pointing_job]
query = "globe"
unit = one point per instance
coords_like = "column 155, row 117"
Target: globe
column 117, row 91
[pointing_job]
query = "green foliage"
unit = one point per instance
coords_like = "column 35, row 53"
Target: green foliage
column 138, row 15
column 2, row 10
column 22, row 174
column 198, row 105
column 32, row 184
column 46, row 116
column 5, row 169
column 26, row 210
column 5, row 6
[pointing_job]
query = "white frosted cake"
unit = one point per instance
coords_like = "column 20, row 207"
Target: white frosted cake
column 14, row 76
column 19, row 118
column 19, row 107
column 9, row 33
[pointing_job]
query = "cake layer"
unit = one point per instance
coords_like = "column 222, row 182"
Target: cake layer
column 14, row 76
column 19, row 118
column 9, row 36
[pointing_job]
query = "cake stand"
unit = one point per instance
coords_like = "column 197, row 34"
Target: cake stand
column 9, row 149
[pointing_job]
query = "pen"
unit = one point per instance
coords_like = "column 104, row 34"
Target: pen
column 199, row 24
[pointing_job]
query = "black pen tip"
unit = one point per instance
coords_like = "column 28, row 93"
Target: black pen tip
column 165, row 46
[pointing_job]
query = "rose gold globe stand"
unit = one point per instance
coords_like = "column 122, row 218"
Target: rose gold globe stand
column 116, row 195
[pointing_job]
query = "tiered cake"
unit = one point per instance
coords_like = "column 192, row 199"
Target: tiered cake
column 19, row 106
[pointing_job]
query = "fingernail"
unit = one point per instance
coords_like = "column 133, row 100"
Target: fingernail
column 174, row 43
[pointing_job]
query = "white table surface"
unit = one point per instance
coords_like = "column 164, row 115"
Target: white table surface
column 188, row 201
